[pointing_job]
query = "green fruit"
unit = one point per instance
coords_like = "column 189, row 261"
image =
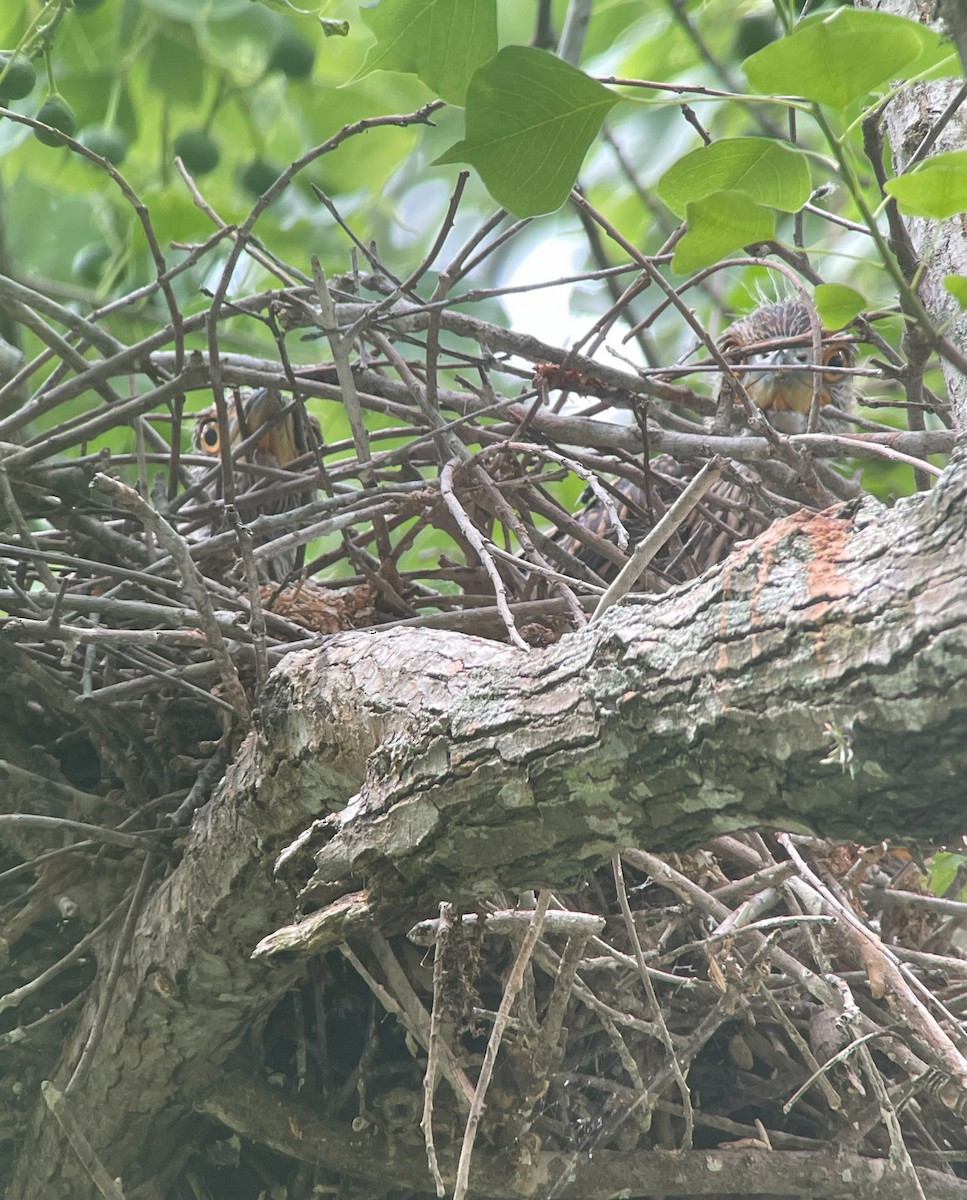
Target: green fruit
column 105, row 140
column 20, row 75
column 56, row 112
column 292, row 56
column 90, row 263
column 258, row 176
column 197, row 151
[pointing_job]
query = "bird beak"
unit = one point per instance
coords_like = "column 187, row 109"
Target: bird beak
column 782, row 385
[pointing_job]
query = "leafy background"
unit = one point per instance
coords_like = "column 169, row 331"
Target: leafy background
column 236, row 71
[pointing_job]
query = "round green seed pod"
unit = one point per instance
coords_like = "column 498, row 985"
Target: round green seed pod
column 105, row 140
column 20, row 75
column 198, row 151
column 56, row 112
column 292, row 55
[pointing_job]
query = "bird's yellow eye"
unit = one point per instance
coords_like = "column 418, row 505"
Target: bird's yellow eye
column 209, row 438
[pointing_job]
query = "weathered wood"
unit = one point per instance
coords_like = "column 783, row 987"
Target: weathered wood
column 817, row 678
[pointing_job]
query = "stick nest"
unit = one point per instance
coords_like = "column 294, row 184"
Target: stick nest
column 810, row 993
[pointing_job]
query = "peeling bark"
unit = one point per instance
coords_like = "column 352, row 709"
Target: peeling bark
column 817, row 678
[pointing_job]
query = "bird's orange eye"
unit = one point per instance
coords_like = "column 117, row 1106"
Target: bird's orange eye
column 209, row 437
column 837, row 356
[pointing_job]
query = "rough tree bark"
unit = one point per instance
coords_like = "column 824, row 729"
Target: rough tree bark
column 816, row 679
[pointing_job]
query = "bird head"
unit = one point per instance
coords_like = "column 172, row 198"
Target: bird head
column 273, row 436
column 265, row 434
column 776, row 340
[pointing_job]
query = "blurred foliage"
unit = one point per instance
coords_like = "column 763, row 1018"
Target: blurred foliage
column 243, row 89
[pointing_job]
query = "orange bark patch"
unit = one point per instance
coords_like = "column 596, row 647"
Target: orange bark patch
column 825, row 579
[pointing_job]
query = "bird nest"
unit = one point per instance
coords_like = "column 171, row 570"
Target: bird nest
column 153, row 573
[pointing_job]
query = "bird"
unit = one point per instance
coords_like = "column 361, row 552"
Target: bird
column 776, row 340
column 774, row 345
column 269, row 439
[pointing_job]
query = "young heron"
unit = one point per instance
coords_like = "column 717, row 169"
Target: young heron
column 268, row 439
column 774, row 345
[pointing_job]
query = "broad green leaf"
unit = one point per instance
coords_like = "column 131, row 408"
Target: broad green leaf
column 764, row 170
column 837, row 304
column 529, row 123
column 936, row 188
column 956, row 285
column 943, row 870
column 439, row 41
column 719, row 224
column 841, row 58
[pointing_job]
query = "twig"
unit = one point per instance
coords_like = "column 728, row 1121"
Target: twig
column 339, row 345
column 56, row 1101
column 444, row 926
column 646, row 550
column 95, row 833
column 177, row 547
column 410, row 1011
column 123, row 945
column 245, row 542
column 476, row 540
column 512, row 987
column 77, row 951
column 653, row 1004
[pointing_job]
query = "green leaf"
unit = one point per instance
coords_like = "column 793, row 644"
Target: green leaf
column 956, row 285
column 766, row 171
column 719, row 224
column 841, row 58
column 936, row 188
column 439, row 41
column 837, row 304
column 530, row 121
column 943, row 871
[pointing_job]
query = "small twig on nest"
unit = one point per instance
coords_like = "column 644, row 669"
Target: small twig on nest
column 121, row 949
column 653, row 1004
column 407, row 1007
column 75, row 954
column 245, row 544
column 9, row 503
column 205, row 780
column 97, row 833
column 514, row 983
column 444, row 926
column 177, row 547
column 646, row 550
column 56, row 1101
column 340, row 346
column 888, row 976
column 477, row 541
